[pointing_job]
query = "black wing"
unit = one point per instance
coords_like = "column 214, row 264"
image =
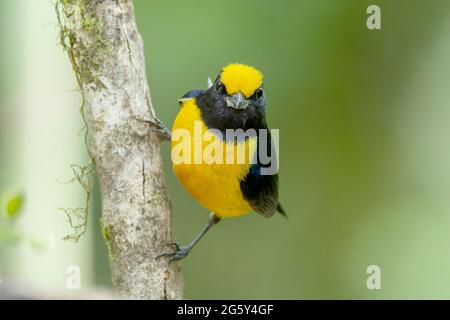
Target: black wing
column 261, row 191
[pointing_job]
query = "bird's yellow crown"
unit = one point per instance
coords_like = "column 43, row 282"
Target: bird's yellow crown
column 243, row 78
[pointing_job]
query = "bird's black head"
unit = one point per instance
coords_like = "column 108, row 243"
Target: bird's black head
column 235, row 100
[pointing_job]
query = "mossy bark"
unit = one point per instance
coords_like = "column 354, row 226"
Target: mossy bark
column 107, row 55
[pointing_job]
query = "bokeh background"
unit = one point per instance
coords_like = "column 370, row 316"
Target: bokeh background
column 364, row 158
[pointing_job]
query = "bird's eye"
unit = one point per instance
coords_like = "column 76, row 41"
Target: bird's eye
column 258, row 93
column 219, row 87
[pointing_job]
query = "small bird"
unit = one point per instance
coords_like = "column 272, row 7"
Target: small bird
column 234, row 101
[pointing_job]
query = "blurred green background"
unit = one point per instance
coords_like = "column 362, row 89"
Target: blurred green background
column 364, row 158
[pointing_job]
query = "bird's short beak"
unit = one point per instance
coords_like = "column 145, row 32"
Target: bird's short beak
column 237, row 101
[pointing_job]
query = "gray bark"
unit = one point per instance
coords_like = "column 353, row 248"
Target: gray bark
column 106, row 51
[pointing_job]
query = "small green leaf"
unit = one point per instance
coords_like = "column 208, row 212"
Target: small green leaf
column 12, row 204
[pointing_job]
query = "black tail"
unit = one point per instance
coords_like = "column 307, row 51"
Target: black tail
column 281, row 210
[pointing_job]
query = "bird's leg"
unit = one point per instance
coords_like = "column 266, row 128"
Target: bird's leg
column 182, row 252
column 159, row 127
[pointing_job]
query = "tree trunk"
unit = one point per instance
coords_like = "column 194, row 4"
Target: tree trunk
column 106, row 51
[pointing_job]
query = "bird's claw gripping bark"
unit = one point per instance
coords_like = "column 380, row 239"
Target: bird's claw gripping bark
column 175, row 245
column 158, row 127
column 178, row 254
column 182, row 252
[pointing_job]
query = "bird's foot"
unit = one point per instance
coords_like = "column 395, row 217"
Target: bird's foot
column 158, row 127
column 179, row 252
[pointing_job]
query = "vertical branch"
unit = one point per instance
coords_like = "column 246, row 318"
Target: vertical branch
column 107, row 55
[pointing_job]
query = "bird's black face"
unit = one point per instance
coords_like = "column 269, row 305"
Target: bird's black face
column 238, row 100
column 222, row 111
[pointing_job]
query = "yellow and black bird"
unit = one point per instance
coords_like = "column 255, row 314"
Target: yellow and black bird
column 234, row 101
